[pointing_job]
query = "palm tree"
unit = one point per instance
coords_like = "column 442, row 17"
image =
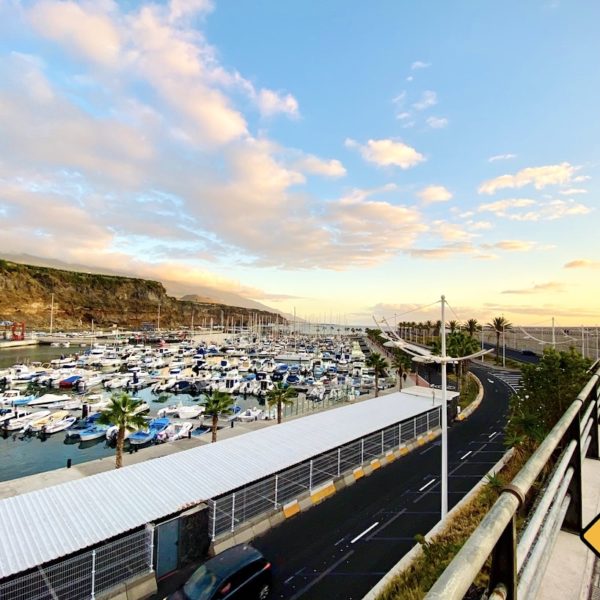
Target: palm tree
column 472, row 326
column 453, row 325
column 401, row 362
column 218, row 403
column 500, row 325
column 379, row 365
column 280, row 395
column 458, row 344
column 122, row 413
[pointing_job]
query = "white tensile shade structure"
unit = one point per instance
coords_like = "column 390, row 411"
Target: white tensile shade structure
column 424, row 355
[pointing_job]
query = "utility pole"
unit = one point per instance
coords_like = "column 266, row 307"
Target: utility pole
column 444, row 415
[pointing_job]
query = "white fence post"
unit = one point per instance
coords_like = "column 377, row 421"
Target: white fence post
column 233, row 511
column 214, row 523
column 310, row 476
column 276, row 488
column 93, row 574
column 362, row 450
column 150, row 527
column 382, row 443
column 339, row 461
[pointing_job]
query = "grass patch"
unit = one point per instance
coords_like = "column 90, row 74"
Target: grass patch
column 415, row 581
column 468, row 392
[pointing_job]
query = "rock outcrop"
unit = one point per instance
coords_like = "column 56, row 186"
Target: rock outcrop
column 27, row 293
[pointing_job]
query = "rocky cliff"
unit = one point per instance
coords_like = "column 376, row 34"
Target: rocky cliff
column 27, row 292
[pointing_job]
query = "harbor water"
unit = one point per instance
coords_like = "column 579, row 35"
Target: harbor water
column 27, row 455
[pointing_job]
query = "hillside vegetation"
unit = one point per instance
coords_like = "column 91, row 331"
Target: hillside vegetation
column 80, row 298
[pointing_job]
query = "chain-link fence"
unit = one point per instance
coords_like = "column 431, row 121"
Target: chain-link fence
column 232, row 510
column 84, row 576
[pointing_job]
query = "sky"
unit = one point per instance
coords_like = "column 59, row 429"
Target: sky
column 339, row 159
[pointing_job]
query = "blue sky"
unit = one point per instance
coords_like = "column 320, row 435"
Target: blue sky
column 340, row 158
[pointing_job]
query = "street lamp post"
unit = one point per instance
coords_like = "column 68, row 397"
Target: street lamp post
column 424, row 356
column 444, row 415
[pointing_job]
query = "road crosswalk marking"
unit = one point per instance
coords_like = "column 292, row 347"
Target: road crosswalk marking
column 513, row 380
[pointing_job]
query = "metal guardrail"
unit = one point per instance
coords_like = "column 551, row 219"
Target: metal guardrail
column 231, row 511
column 518, row 565
column 87, row 574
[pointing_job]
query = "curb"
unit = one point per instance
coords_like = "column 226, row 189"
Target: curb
column 406, row 561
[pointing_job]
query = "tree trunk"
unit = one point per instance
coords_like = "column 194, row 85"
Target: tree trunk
column 278, row 412
column 215, row 419
column 120, row 443
column 376, row 384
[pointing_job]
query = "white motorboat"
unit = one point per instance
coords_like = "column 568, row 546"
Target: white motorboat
column 93, row 432
column 183, row 411
column 175, row 431
column 54, row 400
column 14, row 398
column 117, row 382
column 43, row 423
column 250, row 414
column 58, row 425
column 231, row 383
column 22, row 422
column 7, row 415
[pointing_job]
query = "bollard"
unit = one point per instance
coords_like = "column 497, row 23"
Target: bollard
column 69, row 463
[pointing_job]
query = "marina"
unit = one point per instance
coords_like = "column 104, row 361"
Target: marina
column 50, row 399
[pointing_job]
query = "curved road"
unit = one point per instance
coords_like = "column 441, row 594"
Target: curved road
column 341, row 548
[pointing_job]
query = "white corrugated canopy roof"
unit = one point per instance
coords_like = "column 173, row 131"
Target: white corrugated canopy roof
column 46, row 524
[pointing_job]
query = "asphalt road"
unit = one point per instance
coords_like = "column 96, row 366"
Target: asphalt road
column 515, row 354
column 341, row 548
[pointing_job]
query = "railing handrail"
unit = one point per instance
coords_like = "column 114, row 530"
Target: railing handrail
column 462, row 571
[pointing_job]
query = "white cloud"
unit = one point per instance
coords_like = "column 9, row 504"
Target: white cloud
column 434, row 193
column 437, row 122
column 442, row 252
column 542, row 211
column 479, row 225
column 502, row 207
column 572, row 191
column 428, row 99
column 419, row 64
column 83, row 30
column 318, row 166
column 271, row 103
column 540, row 177
column 181, row 9
column 511, row 245
column 450, row 232
column 539, row 288
column 501, row 157
column 387, row 152
column 583, row 263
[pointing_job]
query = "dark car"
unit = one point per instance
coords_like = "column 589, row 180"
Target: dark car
column 241, row 572
column 528, row 353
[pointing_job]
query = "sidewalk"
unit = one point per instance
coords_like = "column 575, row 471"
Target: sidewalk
column 570, row 574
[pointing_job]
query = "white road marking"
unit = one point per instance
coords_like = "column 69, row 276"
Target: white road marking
column 364, row 532
column 465, row 456
column 426, row 485
column 491, row 381
column 492, row 434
